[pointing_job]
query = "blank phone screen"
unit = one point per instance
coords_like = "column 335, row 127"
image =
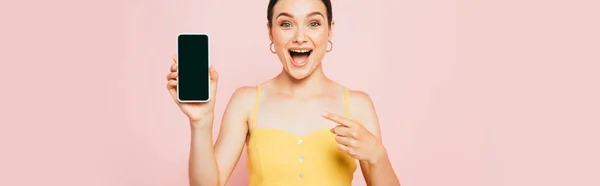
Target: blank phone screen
column 193, row 68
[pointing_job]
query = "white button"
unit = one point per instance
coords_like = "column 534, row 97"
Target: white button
column 300, row 142
column 301, row 158
column 301, row 175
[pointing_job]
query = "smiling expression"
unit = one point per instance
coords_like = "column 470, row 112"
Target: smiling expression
column 300, row 35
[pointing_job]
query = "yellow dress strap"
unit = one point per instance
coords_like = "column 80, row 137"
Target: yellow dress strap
column 253, row 124
column 346, row 95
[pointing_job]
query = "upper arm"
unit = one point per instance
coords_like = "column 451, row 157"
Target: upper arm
column 362, row 110
column 233, row 131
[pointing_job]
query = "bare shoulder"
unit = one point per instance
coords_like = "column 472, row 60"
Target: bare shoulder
column 243, row 99
column 244, row 93
column 361, row 100
column 360, row 103
column 362, row 109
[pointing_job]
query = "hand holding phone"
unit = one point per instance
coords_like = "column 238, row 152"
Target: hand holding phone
column 192, row 81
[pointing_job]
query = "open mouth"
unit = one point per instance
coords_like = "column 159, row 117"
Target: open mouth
column 300, row 57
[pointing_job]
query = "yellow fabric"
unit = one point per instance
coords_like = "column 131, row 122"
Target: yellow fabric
column 279, row 158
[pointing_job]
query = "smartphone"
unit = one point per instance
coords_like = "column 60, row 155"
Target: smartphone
column 193, row 63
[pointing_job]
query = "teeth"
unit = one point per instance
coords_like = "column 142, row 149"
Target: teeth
column 301, row 51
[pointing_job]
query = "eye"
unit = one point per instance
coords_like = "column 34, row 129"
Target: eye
column 314, row 24
column 285, row 24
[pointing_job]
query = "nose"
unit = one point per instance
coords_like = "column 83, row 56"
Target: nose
column 300, row 36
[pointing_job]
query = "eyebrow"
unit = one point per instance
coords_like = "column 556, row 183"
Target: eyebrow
column 290, row 15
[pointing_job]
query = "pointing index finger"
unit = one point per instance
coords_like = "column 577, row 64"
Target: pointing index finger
column 338, row 119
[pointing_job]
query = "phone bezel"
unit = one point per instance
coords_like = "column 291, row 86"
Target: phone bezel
column 209, row 87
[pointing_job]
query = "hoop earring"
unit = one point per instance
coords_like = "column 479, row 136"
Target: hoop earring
column 330, row 48
column 270, row 48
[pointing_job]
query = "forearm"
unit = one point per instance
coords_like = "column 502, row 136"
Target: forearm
column 203, row 169
column 381, row 173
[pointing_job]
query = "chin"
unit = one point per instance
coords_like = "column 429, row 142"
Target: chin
column 298, row 73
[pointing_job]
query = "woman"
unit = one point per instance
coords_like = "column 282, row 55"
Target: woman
column 301, row 128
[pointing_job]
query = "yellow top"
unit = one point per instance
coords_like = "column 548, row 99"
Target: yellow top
column 279, row 158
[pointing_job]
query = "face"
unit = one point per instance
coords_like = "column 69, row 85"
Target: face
column 300, row 35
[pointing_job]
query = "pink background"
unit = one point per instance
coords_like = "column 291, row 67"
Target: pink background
column 469, row 93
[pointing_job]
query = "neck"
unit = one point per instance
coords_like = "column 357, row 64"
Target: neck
column 310, row 85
